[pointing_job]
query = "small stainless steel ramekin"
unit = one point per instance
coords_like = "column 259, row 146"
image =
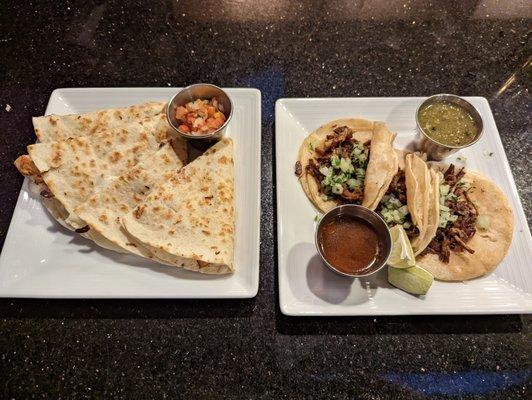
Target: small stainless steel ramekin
column 204, row 91
column 434, row 149
column 371, row 218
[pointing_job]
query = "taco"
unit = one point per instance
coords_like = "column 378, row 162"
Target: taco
column 347, row 161
column 475, row 227
column 412, row 201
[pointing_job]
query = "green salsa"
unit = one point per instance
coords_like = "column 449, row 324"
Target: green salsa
column 448, row 123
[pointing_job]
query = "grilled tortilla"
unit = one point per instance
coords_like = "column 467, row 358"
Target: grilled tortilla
column 466, row 248
column 104, row 210
column 368, row 167
column 75, row 168
column 191, row 216
column 94, row 159
column 51, row 128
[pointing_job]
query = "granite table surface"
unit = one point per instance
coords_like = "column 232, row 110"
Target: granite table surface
column 246, row 349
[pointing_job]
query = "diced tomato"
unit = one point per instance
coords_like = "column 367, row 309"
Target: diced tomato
column 180, row 113
column 201, row 116
column 220, row 116
column 212, row 123
column 184, row 128
column 211, row 110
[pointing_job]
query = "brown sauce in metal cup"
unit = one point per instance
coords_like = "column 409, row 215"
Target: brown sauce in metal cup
column 349, row 244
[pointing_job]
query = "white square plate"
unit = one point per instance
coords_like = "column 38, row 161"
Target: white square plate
column 41, row 259
column 307, row 288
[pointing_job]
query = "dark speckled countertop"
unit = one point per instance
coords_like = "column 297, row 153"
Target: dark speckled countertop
column 245, row 348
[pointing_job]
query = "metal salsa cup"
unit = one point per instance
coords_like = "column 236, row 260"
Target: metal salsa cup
column 434, row 149
column 371, row 218
column 200, row 91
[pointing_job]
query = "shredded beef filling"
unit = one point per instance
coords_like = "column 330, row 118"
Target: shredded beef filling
column 398, row 186
column 340, row 137
column 312, row 169
column 83, row 229
column 298, row 168
column 340, row 143
column 455, row 235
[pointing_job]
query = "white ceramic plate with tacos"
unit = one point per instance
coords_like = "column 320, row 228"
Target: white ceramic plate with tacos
column 467, row 228
column 113, row 207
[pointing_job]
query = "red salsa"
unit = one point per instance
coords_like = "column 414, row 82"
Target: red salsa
column 200, row 117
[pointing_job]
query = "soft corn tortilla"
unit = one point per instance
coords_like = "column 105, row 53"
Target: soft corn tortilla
column 422, row 193
column 364, row 130
column 434, row 211
column 382, row 165
column 60, row 127
column 191, row 216
column 490, row 245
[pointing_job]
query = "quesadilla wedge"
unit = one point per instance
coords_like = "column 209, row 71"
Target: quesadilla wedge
column 347, row 161
column 103, row 211
column 74, row 169
column 156, row 126
column 191, row 216
column 51, row 128
column 475, row 227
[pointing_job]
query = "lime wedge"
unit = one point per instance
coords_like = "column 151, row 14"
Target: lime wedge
column 415, row 280
column 402, row 255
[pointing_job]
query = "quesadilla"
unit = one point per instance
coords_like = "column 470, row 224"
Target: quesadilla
column 69, row 171
column 156, row 126
column 347, row 161
column 191, row 215
column 103, row 211
column 75, row 168
column 475, row 227
column 60, row 127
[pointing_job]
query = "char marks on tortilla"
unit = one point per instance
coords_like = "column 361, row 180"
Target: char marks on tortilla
column 60, row 127
column 75, row 168
column 191, row 215
column 104, row 210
